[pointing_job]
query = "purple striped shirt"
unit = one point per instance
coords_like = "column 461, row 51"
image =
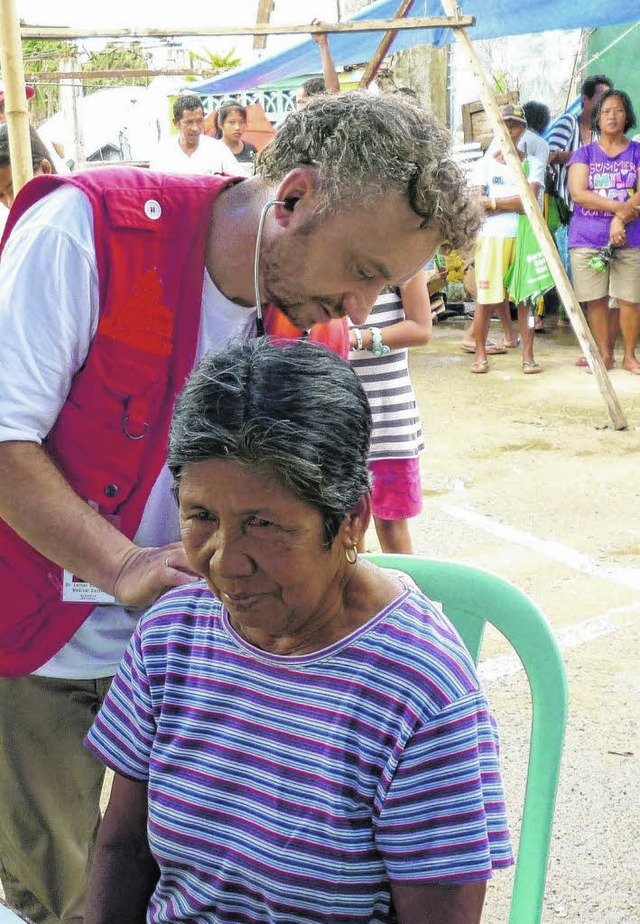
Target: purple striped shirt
column 295, row 789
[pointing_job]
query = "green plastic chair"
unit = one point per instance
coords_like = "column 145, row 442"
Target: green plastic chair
column 472, row 597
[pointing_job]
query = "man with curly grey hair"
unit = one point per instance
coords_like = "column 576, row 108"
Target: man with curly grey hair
column 372, row 176
column 112, row 284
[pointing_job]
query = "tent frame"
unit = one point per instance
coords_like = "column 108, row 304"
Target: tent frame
column 20, row 149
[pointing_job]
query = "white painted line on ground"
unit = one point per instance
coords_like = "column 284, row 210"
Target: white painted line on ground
column 568, row 637
column 556, row 551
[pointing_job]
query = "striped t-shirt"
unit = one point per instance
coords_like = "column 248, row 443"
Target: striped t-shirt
column 566, row 136
column 293, row 789
column 397, row 433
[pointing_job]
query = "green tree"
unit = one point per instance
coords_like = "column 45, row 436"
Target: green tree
column 213, row 61
column 116, row 57
column 42, row 56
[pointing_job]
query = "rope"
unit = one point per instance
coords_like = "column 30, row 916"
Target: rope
column 611, row 45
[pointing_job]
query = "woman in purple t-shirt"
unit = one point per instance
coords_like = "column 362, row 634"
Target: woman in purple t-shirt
column 603, row 182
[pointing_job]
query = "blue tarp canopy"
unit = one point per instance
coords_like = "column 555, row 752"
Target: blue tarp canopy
column 494, row 18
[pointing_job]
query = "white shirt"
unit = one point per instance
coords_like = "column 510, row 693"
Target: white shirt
column 496, row 178
column 532, row 145
column 44, row 340
column 211, row 156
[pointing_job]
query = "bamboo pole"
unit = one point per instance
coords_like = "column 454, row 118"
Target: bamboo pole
column 547, row 244
column 382, row 50
column 15, row 97
column 42, row 77
column 63, row 33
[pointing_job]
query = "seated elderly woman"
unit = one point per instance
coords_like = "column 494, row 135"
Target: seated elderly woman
column 301, row 737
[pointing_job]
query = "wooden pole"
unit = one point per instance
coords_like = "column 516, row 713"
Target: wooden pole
column 45, row 77
column 265, row 9
column 547, row 244
column 63, row 33
column 382, row 50
column 15, row 97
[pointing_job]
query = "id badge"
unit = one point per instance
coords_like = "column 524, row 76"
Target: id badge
column 75, row 590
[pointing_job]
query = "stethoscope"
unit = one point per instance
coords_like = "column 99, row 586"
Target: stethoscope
column 288, row 204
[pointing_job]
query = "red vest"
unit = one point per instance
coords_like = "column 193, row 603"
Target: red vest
column 110, row 438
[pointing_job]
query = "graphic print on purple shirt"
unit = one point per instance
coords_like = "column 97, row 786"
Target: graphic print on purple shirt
column 614, row 178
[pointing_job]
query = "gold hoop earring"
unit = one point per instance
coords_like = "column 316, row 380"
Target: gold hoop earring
column 351, row 554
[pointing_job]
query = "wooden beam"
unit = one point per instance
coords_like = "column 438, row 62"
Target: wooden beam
column 42, row 77
column 382, row 50
column 265, row 9
column 15, row 97
column 547, row 244
column 63, row 33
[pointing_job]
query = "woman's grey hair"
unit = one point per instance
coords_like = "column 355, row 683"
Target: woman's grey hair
column 366, row 146
column 295, row 411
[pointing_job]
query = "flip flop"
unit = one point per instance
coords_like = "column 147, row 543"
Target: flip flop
column 491, row 348
column 531, row 368
column 479, row 367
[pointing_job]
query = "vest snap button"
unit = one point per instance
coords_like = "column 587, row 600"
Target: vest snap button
column 152, row 209
column 111, row 490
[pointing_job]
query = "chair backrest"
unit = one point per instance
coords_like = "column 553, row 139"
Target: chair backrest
column 7, row 916
column 472, row 597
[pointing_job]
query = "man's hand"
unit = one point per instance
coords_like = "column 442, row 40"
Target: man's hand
column 319, row 37
column 559, row 157
column 148, row 573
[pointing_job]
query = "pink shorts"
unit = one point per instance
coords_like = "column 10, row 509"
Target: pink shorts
column 397, row 492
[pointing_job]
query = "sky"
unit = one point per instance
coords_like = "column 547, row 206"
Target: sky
column 126, row 14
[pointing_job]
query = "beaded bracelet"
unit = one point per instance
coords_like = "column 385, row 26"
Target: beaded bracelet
column 378, row 348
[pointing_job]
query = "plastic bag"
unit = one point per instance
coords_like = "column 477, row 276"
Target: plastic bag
column 529, row 276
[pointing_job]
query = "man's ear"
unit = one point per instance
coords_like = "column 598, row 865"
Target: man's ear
column 45, row 166
column 295, row 194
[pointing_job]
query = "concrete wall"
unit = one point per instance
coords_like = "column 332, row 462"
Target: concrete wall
column 424, row 69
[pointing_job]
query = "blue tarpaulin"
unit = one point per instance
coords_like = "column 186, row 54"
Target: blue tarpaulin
column 494, row 18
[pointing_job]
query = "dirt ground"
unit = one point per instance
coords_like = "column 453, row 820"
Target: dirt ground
column 524, row 476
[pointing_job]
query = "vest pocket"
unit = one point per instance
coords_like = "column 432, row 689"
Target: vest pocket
column 101, row 462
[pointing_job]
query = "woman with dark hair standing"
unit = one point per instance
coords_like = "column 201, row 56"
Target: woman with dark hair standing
column 232, row 122
column 603, row 183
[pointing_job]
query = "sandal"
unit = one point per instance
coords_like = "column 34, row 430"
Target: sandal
column 480, row 366
column 491, row 348
column 531, row 368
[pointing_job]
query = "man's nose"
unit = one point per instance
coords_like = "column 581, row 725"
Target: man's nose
column 358, row 303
